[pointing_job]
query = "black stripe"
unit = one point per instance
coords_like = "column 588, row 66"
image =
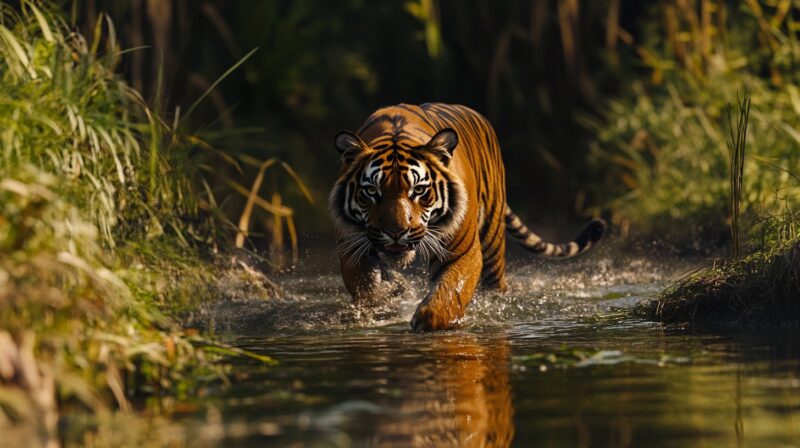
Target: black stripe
column 492, row 256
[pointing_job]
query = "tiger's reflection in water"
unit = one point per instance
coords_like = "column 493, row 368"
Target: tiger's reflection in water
column 459, row 396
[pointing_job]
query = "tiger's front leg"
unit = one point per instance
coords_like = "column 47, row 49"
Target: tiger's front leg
column 367, row 280
column 453, row 283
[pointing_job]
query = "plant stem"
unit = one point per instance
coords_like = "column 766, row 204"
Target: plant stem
column 736, row 152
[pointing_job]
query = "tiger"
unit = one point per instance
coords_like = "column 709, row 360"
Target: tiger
column 429, row 180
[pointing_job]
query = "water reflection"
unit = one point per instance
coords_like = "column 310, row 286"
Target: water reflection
column 458, row 395
column 346, row 379
column 388, row 387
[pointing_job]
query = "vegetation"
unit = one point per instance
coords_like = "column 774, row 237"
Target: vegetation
column 126, row 175
column 667, row 145
column 108, row 230
column 736, row 153
column 763, row 288
column 662, row 146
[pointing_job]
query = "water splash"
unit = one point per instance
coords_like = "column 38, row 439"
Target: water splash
column 317, row 301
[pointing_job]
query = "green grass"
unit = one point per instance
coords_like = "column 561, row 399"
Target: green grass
column 107, row 232
column 671, row 152
column 736, row 153
column 660, row 154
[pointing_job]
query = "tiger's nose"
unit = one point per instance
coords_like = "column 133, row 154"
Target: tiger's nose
column 395, row 234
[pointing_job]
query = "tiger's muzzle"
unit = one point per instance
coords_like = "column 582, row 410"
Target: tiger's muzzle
column 395, row 242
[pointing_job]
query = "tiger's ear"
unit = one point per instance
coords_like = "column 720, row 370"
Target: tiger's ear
column 443, row 144
column 349, row 145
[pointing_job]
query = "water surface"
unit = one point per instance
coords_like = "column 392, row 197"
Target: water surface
column 557, row 361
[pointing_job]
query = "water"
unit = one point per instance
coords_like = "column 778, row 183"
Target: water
column 555, row 362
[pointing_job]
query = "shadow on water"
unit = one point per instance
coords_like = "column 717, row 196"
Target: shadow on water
column 557, row 361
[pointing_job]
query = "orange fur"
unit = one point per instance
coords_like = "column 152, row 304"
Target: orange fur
column 461, row 210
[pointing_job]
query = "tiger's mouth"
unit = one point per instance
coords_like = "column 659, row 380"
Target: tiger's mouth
column 397, row 248
column 397, row 255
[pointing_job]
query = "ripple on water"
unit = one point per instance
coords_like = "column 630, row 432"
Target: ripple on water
column 549, row 361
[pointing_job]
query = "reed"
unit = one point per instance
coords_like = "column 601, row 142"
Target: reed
column 736, row 152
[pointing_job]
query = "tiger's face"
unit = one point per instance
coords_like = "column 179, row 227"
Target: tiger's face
column 394, row 201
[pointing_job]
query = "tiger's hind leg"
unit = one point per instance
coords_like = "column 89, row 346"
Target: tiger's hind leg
column 493, row 249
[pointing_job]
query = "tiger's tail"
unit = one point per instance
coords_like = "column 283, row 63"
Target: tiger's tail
column 588, row 237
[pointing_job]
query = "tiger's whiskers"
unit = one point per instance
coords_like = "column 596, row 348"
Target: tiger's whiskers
column 431, row 244
column 355, row 244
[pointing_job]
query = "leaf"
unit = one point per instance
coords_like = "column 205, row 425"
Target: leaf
column 16, row 47
column 45, row 27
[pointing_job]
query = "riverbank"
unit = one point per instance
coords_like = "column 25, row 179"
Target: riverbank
column 762, row 289
column 109, row 233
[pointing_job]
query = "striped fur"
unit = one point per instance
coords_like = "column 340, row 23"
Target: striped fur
column 590, row 235
column 430, row 179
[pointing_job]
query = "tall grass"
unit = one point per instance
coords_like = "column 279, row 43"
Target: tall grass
column 736, row 151
column 106, row 222
column 660, row 146
column 663, row 144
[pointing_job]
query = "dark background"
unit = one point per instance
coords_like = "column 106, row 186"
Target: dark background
column 531, row 67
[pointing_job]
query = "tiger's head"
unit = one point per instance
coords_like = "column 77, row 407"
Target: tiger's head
column 394, row 201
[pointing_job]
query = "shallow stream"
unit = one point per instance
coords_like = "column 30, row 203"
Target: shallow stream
column 557, row 361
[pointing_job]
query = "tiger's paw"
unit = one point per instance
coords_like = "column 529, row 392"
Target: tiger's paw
column 432, row 318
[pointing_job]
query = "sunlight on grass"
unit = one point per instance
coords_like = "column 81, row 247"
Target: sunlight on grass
column 104, row 233
column 662, row 146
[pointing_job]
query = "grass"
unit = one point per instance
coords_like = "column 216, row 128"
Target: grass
column 661, row 149
column 736, row 151
column 763, row 288
column 660, row 153
column 108, row 230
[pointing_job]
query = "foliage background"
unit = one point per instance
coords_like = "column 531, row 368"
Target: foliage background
column 593, row 102
column 324, row 66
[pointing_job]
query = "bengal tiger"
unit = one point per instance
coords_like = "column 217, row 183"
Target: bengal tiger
column 429, row 180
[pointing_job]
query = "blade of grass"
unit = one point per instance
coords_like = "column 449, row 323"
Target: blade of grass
column 219, row 80
column 298, row 181
column 43, row 25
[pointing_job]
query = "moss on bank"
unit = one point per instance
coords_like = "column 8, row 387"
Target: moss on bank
column 763, row 288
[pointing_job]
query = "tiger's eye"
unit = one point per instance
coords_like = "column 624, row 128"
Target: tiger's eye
column 372, row 191
column 419, row 189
